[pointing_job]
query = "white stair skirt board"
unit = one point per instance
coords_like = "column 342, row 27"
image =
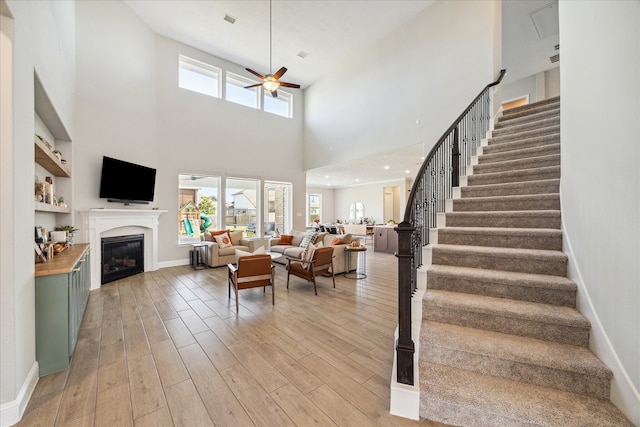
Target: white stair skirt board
column 448, row 205
column 474, row 160
column 464, row 181
column 441, row 220
column 433, row 236
column 405, row 399
column 457, row 193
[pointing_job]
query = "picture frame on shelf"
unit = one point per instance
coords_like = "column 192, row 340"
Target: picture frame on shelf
column 39, row 254
column 39, row 235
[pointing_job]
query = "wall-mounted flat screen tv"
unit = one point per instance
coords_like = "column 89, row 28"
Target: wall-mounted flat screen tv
column 127, row 183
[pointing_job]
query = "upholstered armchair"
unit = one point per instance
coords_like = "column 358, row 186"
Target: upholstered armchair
column 252, row 272
column 320, row 263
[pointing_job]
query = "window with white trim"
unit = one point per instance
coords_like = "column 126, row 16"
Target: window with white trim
column 236, row 92
column 282, row 105
column 199, row 76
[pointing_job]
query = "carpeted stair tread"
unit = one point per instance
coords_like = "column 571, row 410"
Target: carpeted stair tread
column 518, row 164
column 542, row 186
column 526, row 238
column 507, row 120
column 536, row 261
column 540, row 288
column 546, row 172
column 512, row 309
column 544, row 105
column 507, row 203
column 541, row 281
column 527, row 126
column 507, row 219
column 502, row 137
column 523, row 153
column 493, row 147
column 460, row 397
column 545, row 363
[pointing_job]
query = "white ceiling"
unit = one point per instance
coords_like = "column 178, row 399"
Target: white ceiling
column 330, row 31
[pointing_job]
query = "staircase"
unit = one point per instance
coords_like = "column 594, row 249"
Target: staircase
column 501, row 343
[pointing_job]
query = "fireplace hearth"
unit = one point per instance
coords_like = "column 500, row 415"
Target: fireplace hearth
column 122, row 256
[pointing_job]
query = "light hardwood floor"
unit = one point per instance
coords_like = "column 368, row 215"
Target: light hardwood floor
column 166, row 348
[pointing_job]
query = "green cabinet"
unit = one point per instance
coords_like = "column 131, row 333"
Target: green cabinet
column 60, row 302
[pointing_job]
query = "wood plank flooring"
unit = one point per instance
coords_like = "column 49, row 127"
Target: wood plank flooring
column 166, row 348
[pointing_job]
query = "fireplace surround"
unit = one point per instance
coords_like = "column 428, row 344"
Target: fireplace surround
column 99, row 223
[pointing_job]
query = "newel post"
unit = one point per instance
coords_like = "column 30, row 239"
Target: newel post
column 455, row 160
column 404, row 346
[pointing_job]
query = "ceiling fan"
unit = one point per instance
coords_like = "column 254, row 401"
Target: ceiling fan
column 271, row 82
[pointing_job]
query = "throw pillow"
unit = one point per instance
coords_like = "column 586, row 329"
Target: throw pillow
column 336, row 241
column 223, row 240
column 219, row 232
column 307, row 255
column 285, row 239
column 309, row 237
column 240, row 253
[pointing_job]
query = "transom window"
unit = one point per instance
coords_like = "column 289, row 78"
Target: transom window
column 282, row 105
column 199, row 76
column 237, row 93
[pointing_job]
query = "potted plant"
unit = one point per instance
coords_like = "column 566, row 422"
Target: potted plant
column 70, row 229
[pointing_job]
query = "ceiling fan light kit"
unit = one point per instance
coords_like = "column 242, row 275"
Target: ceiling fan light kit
column 271, row 82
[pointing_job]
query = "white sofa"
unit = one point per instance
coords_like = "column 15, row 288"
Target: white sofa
column 295, row 251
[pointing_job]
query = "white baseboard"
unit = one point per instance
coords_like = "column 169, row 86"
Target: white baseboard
column 174, row 263
column 623, row 392
column 11, row 412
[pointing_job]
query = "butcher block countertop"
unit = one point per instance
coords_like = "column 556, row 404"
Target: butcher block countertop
column 64, row 262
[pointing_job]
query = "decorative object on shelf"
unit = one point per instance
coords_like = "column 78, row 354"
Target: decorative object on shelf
column 39, row 236
column 61, row 202
column 58, row 236
column 45, row 142
column 39, row 254
column 70, row 229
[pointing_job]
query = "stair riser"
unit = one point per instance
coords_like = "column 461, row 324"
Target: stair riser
column 498, row 137
column 526, row 126
column 493, row 147
column 509, row 120
column 563, row 334
column 500, row 241
column 516, row 176
column 543, row 187
column 544, row 150
column 506, row 204
column 489, row 261
column 516, row 165
column 533, row 374
column 516, row 221
column 448, row 413
column 559, row 297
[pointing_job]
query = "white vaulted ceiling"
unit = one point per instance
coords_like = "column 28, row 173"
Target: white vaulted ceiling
column 330, row 32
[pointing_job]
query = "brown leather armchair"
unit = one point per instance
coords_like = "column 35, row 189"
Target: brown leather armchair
column 321, row 263
column 252, row 272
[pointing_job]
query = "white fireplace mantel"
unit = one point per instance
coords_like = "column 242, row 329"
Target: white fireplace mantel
column 98, row 223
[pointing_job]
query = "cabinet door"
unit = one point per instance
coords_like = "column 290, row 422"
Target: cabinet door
column 52, row 323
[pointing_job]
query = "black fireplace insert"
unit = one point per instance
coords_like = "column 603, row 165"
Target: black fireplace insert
column 122, row 256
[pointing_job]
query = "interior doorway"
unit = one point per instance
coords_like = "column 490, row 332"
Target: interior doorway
column 391, row 207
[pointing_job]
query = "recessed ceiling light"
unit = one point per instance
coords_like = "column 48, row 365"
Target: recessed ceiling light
column 302, row 54
column 386, row 167
column 407, row 171
column 230, row 19
column 326, row 176
column 357, row 180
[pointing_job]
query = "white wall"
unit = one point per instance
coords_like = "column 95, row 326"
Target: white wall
column 41, row 40
column 600, row 184
column 130, row 107
column 543, row 85
column 328, row 203
column 371, row 195
column 372, row 103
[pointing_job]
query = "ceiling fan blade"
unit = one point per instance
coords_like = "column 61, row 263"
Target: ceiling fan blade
column 255, row 73
column 274, row 93
column 255, row 85
column 280, row 73
column 293, row 85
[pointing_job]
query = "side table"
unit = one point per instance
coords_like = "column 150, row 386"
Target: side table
column 361, row 262
column 196, row 260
